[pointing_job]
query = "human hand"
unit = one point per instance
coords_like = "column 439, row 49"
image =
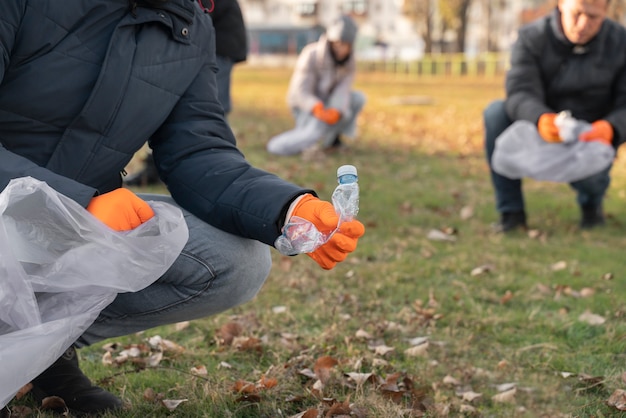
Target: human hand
column 547, row 128
column 322, row 214
column 601, row 131
column 120, row 209
column 327, row 115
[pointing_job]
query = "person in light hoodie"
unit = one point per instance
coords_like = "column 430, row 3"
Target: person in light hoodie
column 320, row 94
column 83, row 84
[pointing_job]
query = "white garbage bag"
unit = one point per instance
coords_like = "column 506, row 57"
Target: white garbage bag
column 60, row 266
column 521, row 152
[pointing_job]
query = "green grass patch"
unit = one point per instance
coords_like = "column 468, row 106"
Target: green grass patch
column 509, row 320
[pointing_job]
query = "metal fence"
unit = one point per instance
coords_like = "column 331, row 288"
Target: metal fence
column 442, row 65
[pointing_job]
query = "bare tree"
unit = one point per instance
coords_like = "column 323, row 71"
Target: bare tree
column 422, row 13
column 455, row 15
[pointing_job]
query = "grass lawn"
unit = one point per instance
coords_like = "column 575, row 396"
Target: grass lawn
column 433, row 315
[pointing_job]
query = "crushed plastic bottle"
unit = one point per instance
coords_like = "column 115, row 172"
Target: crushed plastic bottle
column 346, row 196
column 301, row 236
column 569, row 127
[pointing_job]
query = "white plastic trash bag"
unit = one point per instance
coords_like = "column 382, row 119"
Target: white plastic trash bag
column 60, row 266
column 521, row 152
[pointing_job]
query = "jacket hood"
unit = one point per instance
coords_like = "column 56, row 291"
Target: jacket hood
column 342, row 29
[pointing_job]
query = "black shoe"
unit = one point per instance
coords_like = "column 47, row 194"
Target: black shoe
column 592, row 216
column 65, row 380
column 148, row 176
column 336, row 142
column 510, row 221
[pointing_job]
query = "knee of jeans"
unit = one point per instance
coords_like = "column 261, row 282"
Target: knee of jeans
column 250, row 271
column 358, row 100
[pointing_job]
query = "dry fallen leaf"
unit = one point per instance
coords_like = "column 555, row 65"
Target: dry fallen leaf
column 470, row 396
column 418, row 350
column 505, row 397
column 559, row 265
column 617, row 400
column 359, row 378
column 591, row 318
column 477, row 271
column 382, row 350
column 172, row 404
column 199, row 371
column 363, row 335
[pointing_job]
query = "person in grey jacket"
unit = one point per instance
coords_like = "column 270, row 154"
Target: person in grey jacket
column 83, row 83
column 320, row 92
column 573, row 59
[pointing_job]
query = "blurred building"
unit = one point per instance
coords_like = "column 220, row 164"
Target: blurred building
column 386, row 31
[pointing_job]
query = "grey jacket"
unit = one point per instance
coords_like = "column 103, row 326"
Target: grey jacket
column 316, row 78
column 550, row 74
column 84, row 83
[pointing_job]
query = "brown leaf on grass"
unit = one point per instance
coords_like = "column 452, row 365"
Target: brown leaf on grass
column 172, row 404
column 247, row 344
column 508, row 295
column 591, row 318
column 480, row 270
column 471, row 396
column 21, row 411
column 382, row 349
column 309, row 413
column 361, row 378
column 617, row 400
column 242, row 386
column 199, row 371
column 339, row 409
column 53, row 402
column 590, row 381
column 361, row 334
column 267, row 382
column 227, row 333
column 149, row 395
column 507, row 396
column 23, row 390
column 323, row 367
column 418, row 350
column 559, row 265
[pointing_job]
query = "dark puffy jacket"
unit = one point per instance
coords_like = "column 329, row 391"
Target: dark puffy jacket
column 550, row 74
column 230, row 30
column 84, row 83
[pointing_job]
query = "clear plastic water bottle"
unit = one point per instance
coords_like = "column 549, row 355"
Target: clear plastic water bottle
column 301, row 236
column 346, row 196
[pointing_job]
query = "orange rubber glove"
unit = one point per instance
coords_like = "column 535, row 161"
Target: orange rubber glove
column 601, row 131
column 330, row 116
column 547, row 129
column 322, row 214
column 120, row 210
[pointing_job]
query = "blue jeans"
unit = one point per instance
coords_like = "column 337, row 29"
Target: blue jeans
column 215, row 272
column 509, row 197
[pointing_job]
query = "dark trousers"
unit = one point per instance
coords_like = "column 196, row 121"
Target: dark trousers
column 508, row 192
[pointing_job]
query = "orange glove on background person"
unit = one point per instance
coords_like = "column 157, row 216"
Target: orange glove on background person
column 330, row 116
column 120, row 210
column 322, row 214
column 601, row 131
column 547, row 129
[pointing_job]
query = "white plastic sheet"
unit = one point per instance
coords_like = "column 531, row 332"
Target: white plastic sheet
column 521, row 152
column 60, row 266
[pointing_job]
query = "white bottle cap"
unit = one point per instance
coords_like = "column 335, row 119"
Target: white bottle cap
column 346, row 169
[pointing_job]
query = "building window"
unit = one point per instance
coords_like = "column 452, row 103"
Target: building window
column 355, row 7
column 306, row 8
